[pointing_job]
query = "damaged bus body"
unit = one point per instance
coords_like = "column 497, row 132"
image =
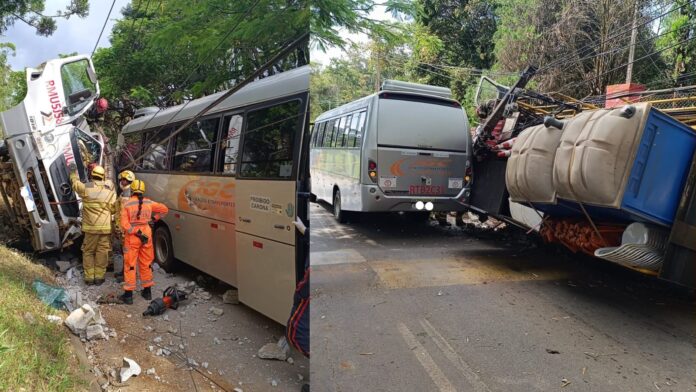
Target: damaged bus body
column 41, row 136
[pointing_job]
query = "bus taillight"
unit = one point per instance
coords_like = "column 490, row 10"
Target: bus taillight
column 372, row 170
column 467, row 175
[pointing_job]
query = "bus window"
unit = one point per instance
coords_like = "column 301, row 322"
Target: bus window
column 338, row 138
column 130, row 149
column 353, row 130
column 315, row 129
column 361, row 130
column 232, row 130
column 194, row 146
column 156, row 151
column 336, row 132
column 269, row 141
column 328, row 133
column 344, row 132
column 320, row 134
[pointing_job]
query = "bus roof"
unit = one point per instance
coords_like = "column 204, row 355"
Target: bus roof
column 277, row 86
column 366, row 101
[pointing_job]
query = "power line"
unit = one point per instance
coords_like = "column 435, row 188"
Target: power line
column 280, row 55
column 229, row 33
column 103, row 27
column 595, row 45
column 579, row 83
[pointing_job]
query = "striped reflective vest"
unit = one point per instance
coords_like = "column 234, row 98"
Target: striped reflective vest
column 98, row 204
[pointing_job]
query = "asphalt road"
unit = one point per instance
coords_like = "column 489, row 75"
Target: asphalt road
column 411, row 306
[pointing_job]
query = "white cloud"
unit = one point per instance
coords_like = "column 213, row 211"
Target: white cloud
column 72, row 35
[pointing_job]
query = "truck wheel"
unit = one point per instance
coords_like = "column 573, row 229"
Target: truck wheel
column 337, row 211
column 164, row 251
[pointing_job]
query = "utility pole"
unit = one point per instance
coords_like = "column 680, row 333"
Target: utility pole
column 632, row 49
column 378, row 68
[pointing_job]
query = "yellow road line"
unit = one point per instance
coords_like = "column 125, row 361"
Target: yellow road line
column 438, row 377
column 470, row 375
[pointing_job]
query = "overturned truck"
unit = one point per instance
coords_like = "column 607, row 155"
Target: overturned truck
column 613, row 178
column 41, row 137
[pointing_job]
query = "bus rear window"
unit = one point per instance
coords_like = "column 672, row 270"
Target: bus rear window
column 422, row 122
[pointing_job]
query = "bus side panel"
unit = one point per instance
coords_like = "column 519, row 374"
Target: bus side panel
column 266, row 276
column 338, row 167
column 201, row 220
column 206, row 244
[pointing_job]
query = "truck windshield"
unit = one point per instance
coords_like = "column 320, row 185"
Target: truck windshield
column 77, row 85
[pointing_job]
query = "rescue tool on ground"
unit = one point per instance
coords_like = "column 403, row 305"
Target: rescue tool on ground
column 171, row 297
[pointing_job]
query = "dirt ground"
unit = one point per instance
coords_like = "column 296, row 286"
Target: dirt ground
column 205, row 352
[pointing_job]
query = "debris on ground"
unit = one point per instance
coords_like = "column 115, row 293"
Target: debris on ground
column 277, row 350
column 130, row 368
column 86, row 323
column 564, row 382
column 216, row 311
column 63, row 266
column 54, row 319
column 231, row 297
column 150, row 371
column 50, row 295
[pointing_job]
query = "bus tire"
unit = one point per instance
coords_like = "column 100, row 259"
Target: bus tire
column 339, row 214
column 164, row 250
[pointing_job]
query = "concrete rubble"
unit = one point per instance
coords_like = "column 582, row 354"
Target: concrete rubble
column 54, row 319
column 216, row 311
column 86, row 323
column 129, row 369
column 278, row 351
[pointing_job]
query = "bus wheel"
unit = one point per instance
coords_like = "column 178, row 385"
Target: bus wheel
column 337, row 211
column 164, row 251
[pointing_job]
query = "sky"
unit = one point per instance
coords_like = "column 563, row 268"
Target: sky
column 72, row 35
column 323, row 58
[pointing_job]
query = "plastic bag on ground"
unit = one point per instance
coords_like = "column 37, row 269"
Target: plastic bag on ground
column 50, row 295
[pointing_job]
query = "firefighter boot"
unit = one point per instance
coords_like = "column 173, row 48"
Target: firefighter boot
column 146, row 293
column 127, row 297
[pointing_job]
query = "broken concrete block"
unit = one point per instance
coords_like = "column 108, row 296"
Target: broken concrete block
column 80, row 318
column 231, row 297
column 216, row 311
column 130, row 368
column 95, row 331
column 205, row 365
column 216, row 341
column 150, row 371
column 277, row 351
column 157, row 339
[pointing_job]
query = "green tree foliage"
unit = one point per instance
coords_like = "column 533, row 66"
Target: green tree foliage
column 680, row 43
column 13, row 86
column 179, row 50
column 31, row 13
column 330, row 16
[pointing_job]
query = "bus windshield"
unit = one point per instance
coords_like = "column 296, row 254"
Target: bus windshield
column 408, row 121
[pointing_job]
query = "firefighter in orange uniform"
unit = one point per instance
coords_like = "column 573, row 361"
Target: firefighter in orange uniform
column 136, row 214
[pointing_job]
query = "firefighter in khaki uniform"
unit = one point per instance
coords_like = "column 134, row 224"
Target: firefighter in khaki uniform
column 98, row 209
column 136, row 214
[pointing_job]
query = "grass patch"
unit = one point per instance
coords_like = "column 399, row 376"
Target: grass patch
column 34, row 356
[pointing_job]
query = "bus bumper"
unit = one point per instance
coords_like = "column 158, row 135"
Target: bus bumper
column 374, row 200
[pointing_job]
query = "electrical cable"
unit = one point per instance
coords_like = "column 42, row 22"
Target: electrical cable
column 103, row 27
column 280, row 55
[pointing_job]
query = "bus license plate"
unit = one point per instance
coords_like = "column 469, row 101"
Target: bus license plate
column 425, row 189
